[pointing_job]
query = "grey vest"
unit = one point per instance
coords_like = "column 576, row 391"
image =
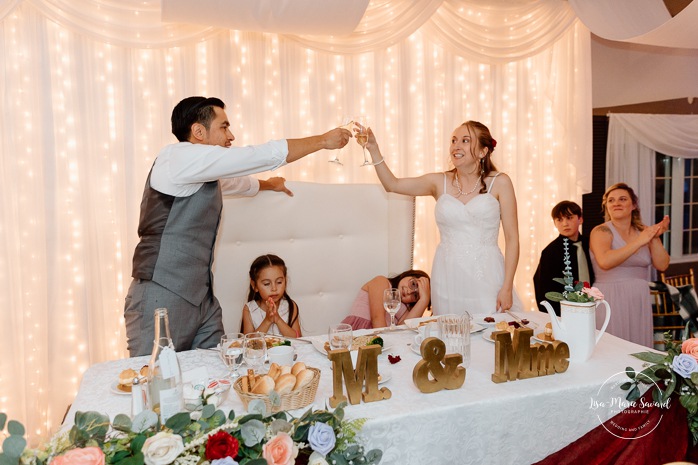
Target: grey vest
column 177, row 236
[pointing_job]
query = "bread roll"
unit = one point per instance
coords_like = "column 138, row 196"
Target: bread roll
column 285, row 369
column 264, row 385
column 274, row 370
column 144, row 371
column 303, row 378
column 245, row 383
column 126, row 377
column 298, row 367
column 285, row 384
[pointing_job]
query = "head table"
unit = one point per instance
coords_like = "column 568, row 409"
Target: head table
column 516, row 422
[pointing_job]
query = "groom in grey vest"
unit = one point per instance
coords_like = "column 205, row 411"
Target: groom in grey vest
column 180, row 211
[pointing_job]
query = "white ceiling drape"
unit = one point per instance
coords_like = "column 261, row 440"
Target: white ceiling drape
column 633, row 141
column 88, row 87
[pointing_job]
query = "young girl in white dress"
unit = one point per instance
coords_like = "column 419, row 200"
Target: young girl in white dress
column 469, row 272
column 269, row 308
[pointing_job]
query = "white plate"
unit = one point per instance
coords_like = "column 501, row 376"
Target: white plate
column 320, row 346
column 480, row 319
column 414, row 348
column 541, row 339
column 413, row 323
column 114, row 389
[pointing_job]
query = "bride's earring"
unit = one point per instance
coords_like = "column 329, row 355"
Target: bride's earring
column 482, row 166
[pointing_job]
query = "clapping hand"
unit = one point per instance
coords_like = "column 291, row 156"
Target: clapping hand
column 663, row 226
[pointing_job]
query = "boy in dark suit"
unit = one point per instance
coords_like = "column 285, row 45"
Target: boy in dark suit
column 567, row 217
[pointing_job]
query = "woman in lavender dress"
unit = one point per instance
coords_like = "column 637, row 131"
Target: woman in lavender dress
column 623, row 252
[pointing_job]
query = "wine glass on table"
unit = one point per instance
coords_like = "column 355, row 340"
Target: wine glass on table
column 231, row 352
column 340, row 336
column 391, row 303
column 348, row 124
column 361, row 134
column 254, row 351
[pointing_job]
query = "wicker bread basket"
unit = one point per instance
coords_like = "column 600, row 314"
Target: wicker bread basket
column 293, row 400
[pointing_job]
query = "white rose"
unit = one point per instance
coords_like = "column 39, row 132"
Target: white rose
column 162, row 449
column 317, row 459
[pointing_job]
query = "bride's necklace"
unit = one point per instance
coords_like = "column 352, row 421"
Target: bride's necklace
column 456, row 184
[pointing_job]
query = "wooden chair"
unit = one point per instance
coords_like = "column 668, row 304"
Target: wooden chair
column 679, row 279
column 665, row 315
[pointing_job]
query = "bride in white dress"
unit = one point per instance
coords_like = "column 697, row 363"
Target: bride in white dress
column 469, row 271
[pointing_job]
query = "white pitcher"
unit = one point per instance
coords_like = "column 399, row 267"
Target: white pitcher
column 577, row 326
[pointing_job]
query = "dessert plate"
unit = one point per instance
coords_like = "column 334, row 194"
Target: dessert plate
column 320, row 346
column 542, row 338
column 116, row 389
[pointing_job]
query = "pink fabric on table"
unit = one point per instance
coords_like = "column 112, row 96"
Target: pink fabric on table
column 360, row 315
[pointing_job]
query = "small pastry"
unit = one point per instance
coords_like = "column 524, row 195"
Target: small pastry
column 126, row 377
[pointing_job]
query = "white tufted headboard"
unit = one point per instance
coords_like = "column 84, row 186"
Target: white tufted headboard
column 333, row 238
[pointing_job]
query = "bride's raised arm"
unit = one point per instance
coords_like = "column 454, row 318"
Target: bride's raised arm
column 427, row 184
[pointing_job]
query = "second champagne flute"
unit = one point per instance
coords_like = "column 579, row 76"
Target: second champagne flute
column 362, row 137
column 391, row 303
column 348, row 124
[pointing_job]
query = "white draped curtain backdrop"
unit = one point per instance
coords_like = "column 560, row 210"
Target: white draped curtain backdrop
column 88, row 87
column 633, row 142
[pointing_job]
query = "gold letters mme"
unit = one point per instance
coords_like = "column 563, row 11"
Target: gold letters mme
column 518, row 359
column 366, row 372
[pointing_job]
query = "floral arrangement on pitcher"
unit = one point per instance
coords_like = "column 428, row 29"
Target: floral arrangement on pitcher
column 675, row 372
column 318, row 437
column 574, row 292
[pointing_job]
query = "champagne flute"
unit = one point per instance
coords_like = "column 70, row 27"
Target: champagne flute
column 362, row 137
column 348, row 124
column 231, row 352
column 391, row 303
column 254, row 351
column 340, row 336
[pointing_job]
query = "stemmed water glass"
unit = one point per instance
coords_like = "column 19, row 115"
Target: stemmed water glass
column 348, row 124
column 340, row 336
column 254, row 351
column 231, row 352
column 391, row 303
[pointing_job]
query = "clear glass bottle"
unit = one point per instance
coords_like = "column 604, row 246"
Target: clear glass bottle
column 164, row 375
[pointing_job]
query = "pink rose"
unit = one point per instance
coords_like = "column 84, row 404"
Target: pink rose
column 593, row 292
column 280, row 450
column 690, row 347
column 86, row 456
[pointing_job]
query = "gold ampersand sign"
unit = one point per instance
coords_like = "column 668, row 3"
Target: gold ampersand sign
column 448, row 375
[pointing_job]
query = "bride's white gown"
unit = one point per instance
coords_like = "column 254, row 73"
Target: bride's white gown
column 468, row 268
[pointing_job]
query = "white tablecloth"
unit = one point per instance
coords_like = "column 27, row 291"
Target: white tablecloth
column 517, row 422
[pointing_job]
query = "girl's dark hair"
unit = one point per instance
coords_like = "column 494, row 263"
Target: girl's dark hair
column 259, row 264
column 394, row 281
column 481, row 132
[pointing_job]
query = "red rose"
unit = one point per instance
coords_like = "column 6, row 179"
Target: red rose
column 221, row 445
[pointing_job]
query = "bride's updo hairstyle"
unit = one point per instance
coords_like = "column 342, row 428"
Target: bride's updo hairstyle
column 481, row 133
